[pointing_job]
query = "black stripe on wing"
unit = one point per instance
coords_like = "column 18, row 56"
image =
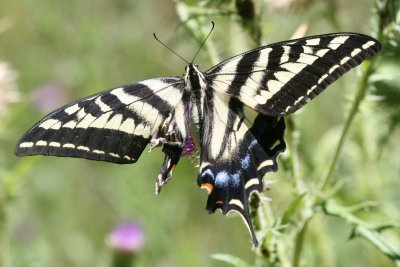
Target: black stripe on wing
column 280, row 78
column 314, row 78
column 235, row 162
column 115, row 125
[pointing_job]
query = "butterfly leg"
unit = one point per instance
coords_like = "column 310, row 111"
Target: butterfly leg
column 173, row 153
column 173, row 144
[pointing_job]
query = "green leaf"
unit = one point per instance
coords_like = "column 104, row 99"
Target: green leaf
column 293, row 207
column 362, row 228
column 378, row 241
column 387, row 84
column 234, row 261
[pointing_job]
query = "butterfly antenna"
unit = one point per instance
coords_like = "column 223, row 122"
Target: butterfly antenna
column 155, row 36
column 208, row 35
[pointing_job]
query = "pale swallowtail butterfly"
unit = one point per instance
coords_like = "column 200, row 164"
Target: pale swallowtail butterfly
column 235, row 150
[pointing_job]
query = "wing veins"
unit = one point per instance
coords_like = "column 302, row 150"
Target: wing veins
column 125, row 105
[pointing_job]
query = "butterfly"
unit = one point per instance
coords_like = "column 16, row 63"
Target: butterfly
column 236, row 149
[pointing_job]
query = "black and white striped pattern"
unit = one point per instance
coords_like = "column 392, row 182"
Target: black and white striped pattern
column 113, row 126
column 236, row 149
column 282, row 77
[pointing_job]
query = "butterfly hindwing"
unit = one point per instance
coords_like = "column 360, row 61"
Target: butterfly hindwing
column 237, row 152
column 115, row 125
column 280, row 78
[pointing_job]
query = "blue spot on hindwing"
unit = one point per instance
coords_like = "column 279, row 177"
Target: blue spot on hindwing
column 235, row 179
column 222, row 179
column 252, row 144
column 246, row 162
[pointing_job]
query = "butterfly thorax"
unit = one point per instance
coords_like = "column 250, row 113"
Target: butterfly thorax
column 196, row 84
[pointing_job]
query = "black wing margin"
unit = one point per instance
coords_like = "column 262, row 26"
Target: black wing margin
column 280, row 78
column 114, row 126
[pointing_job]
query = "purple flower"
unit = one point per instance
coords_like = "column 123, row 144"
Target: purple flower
column 126, row 237
column 24, row 231
column 49, row 97
column 189, row 147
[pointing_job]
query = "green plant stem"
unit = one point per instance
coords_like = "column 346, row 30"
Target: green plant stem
column 298, row 244
column 360, row 94
column 292, row 143
column 326, row 181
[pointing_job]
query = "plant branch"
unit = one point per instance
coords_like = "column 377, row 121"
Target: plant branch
column 298, row 244
column 360, row 94
column 326, row 181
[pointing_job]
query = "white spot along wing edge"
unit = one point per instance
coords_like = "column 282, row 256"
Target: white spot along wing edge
column 296, row 70
column 132, row 112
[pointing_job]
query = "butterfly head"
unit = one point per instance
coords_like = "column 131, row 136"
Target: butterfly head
column 190, row 68
column 194, row 77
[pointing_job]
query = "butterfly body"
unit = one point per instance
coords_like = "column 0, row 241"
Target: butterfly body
column 236, row 148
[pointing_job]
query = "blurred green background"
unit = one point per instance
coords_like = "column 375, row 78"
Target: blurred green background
column 59, row 211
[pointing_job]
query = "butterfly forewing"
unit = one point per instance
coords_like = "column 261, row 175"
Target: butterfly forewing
column 113, row 126
column 278, row 79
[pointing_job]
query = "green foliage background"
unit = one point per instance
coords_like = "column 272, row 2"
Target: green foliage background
column 59, row 212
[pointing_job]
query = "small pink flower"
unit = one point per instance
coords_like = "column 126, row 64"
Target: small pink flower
column 189, row 147
column 49, row 97
column 24, row 231
column 126, row 237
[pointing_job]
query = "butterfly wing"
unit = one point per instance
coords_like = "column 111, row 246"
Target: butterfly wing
column 115, row 125
column 279, row 78
column 274, row 80
column 237, row 152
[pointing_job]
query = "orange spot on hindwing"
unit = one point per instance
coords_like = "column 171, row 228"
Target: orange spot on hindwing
column 209, row 187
